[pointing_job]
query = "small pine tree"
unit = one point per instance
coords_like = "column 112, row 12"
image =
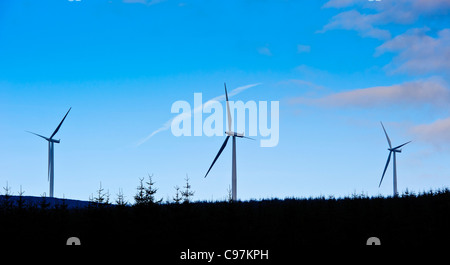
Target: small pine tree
column 187, row 194
column 20, row 201
column 63, row 205
column 229, row 195
column 150, row 192
column 120, row 201
column 146, row 195
column 100, row 199
column 107, row 194
column 44, row 204
column 139, row 198
column 7, row 203
column 91, row 203
column 177, row 199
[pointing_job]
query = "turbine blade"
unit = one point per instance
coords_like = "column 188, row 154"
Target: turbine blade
column 57, row 128
column 387, row 164
column 228, row 108
column 387, row 137
column 218, row 154
column 39, row 135
column 247, row 138
column 401, row 145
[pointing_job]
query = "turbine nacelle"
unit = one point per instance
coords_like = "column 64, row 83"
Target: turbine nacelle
column 46, row 138
column 234, row 134
column 395, row 150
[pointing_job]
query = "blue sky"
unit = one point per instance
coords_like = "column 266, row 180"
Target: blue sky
column 337, row 68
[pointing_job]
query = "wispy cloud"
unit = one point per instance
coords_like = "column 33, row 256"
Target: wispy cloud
column 339, row 3
column 145, row 2
column 373, row 14
column 179, row 118
column 300, row 83
column 353, row 20
column 312, row 72
column 265, row 51
column 436, row 133
column 399, row 11
column 418, row 53
column 303, row 48
column 432, row 91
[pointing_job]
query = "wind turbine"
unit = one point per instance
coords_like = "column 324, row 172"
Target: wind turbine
column 392, row 150
column 51, row 164
column 229, row 134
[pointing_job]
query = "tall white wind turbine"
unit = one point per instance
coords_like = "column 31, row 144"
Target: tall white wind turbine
column 394, row 151
column 234, row 135
column 51, row 164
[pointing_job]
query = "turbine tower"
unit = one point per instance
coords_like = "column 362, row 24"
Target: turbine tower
column 51, row 164
column 229, row 134
column 394, row 151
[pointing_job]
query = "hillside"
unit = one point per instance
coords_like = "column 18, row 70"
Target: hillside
column 267, row 224
column 37, row 202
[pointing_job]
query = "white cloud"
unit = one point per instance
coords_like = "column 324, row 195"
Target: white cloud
column 135, row 1
column 436, row 133
column 431, row 91
column 166, row 126
column 145, row 2
column 386, row 12
column 400, row 11
column 339, row 3
column 353, row 20
column 303, row 48
column 299, row 83
column 312, row 72
column 418, row 53
column 265, row 51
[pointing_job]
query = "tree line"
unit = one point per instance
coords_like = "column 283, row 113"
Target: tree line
column 145, row 196
column 412, row 218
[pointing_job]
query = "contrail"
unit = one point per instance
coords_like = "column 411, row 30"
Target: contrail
column 180, row 117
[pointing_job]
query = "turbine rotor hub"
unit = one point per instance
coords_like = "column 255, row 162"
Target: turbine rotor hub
column 234, row 134
column 395, row 150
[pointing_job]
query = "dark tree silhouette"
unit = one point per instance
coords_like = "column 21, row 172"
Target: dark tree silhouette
column 421, row 219
column 20, row 201
column 146, row 194
column 150, row 192
column 102, row 198
column 177, row 199
column 7, row 202
column 139, row 198
column 63, row 204
column 229, row 195
column 44, row 204
column 187, row 194
column 120, row 201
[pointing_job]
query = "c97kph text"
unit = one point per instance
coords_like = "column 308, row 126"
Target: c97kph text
column 246, row 254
